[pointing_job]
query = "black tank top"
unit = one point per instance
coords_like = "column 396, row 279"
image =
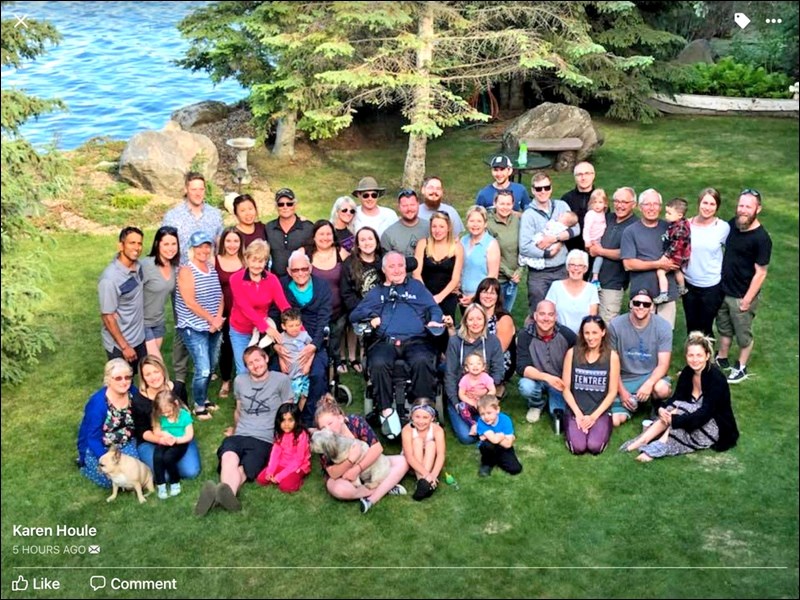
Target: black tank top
column 437, row 274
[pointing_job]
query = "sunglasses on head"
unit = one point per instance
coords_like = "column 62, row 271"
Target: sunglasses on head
column 369, row 194
column 352, row 211
column 123, row 378
column 641, row 304
column 406, row 193
column 592, row 319
column 542, row 188
column 285, row 204
column 751, row 192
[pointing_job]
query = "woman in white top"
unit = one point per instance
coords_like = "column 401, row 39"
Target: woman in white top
column 574, row 298
column 704, row 271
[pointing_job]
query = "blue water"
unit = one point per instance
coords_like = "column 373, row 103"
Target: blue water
column 112, row 68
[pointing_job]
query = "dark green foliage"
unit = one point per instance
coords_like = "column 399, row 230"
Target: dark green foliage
column 730, row 78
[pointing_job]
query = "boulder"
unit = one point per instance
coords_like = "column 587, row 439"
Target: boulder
column 208, row 111
column 550, row 120
column 698, row 51
column 158, row 160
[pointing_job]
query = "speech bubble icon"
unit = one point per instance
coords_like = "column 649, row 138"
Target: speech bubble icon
column 741, row 20
column 97, row 582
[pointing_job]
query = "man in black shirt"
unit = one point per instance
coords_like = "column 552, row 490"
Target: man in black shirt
column 287, row 233
column 578, row 200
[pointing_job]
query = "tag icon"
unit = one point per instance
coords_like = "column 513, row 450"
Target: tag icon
column 741, row 20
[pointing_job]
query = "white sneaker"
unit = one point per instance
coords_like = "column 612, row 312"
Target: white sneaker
column 174, row 489
column 533, row 415
column 254, row 338
column 646, row 423
column 397, row 490
column 162, row 491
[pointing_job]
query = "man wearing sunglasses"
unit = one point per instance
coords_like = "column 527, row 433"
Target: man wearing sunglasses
column 502, row 171
column 288, row 232
column 744, row 269
column 643, row 341
column 369, row 213
column 403, row 235
column 642, row 253
column 432, row 193
column 550, row 248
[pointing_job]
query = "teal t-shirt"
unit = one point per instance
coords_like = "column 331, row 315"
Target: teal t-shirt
column 177, row 428
column 303, row 296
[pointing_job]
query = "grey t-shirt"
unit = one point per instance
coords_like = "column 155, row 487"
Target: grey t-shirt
column 121, row 293
column 294, row 346
column 156, row 291
column 259, row 400
column 638, row 348
column 645, row 243
column 401, row 238
column 455, row 218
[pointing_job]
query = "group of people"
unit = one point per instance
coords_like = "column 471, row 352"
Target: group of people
column 241, row 290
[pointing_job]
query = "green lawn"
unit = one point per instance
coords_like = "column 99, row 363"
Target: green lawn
column 710, row 525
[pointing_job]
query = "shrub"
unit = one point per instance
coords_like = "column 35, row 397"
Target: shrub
column 729, row 78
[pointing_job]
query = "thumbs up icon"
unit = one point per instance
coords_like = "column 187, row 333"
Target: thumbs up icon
column 20, row 585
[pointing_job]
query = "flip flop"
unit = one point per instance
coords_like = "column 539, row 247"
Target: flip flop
column 356, row 366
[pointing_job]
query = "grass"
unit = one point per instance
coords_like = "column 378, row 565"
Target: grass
column 710, row 525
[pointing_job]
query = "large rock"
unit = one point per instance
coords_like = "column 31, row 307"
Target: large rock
column 550, row 120
column 208, row 111
column 698, row 51
column 158, row 160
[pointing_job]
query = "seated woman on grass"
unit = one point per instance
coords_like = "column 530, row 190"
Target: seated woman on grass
column 423, row 447
column 699, row 414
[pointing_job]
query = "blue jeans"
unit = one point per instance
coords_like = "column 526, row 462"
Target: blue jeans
column 531, row 390
column 204, row 349
column 460, row 427
column 239, row 343
column 509, row 292
column 188, row 466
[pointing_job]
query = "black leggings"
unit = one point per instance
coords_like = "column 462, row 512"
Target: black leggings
column 165, row 460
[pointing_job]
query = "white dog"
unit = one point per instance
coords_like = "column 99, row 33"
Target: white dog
column 337, row 448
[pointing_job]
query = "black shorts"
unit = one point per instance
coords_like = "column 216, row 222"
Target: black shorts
column 253, row 453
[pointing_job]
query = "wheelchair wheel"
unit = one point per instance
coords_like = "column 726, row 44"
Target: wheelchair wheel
column 344, row 397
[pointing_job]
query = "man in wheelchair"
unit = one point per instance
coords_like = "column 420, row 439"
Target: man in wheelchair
column 403, row 316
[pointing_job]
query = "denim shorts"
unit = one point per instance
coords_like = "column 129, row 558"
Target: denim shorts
column 155, row 332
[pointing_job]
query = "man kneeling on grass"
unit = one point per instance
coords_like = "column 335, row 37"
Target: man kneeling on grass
column 245, row 452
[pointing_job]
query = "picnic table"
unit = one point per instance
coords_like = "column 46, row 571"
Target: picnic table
column 563, row 150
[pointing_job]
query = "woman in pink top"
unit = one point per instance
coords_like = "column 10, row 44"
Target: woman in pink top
column 254, row 291
column 290, row 458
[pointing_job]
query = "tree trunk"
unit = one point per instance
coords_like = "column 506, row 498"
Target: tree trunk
column 414, row 170
column 516, row 100
column 284, row 136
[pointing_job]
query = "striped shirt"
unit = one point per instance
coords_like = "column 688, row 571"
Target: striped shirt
column 207, row 293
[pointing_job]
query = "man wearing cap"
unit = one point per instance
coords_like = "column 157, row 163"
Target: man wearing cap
column 550, row 248
column 432, row 194
column 578, row 200
column 613, row 276
column 744, row 269
column 288, row 232
column 643, row 341
column 403, row 235
column 193, row 214
column 502, row 170
column 369, row 213
column 642, row 253
column 121, row 294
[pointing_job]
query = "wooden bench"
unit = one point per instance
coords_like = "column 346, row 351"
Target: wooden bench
column 565, row 149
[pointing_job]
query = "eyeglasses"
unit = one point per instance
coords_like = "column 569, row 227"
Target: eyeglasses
column 352, row 211
column 751, row 192
column 369, row 194
column 641, row 304
column 542, row 188
column 622, row 201
column 300, row 270
column 285, row 204
column 120, row 378
column 576, row 266
column 584, row 174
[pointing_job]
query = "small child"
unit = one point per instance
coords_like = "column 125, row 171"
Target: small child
column 295, row 338
column 594, row 226
column 497, row 437
column 554, row 227
column 423, row 447
column 677, row 247
column 475, row 383
column 172, row 425
column 290, row 458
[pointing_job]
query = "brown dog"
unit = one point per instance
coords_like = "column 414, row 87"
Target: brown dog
column 126, row 472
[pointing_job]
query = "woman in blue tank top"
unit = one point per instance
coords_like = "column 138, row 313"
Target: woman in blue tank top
column 481, row 254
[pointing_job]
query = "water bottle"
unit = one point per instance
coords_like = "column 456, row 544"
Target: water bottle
column 451, row 481
column 522, row 159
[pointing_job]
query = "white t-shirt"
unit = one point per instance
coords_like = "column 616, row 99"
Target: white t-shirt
column 704, row 268
column 379, row 222
column 570, row 309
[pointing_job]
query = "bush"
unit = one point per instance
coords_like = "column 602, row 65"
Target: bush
column 729, row 78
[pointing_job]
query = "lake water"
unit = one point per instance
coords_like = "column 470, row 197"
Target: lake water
column 112, row 68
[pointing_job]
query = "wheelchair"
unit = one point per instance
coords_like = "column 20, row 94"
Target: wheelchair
column 401, row 385
column 340, row 392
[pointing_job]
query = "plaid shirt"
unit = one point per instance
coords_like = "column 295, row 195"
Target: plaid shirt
column 677, row 241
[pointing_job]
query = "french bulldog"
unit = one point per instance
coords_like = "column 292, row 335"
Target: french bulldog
column 127, row 473
column 337, row 447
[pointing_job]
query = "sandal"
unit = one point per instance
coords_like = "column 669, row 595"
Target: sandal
column 356, row 366
column 202, row 415
column 341, row 368
column 211, row 406
column 225, row 389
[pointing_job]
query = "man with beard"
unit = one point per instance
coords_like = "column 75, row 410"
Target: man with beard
column 744, row 269
column 403, row 235
column 432, row 194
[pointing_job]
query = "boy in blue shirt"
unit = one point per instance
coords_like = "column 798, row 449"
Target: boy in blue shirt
column 496, row 433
